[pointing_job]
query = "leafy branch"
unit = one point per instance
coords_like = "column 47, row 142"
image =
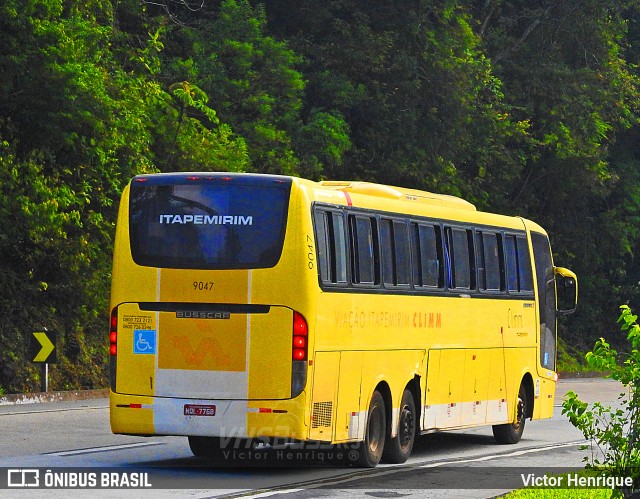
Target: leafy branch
column 613, row 432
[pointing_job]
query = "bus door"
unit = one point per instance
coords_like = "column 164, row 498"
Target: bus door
column 546, row 299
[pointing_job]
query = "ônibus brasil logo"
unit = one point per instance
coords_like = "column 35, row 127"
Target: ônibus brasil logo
column 206, row 219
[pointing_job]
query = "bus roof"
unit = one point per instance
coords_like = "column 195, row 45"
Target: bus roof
column 416, row 202
column 399, row 193
column 392, row 194
column 358, row 187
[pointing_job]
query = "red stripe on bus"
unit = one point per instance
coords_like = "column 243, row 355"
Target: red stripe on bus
column 348, row 198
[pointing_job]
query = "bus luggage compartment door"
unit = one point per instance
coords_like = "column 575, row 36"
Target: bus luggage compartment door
column 228, row 352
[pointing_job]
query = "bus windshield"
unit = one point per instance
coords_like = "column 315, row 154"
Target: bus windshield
column 204, row 225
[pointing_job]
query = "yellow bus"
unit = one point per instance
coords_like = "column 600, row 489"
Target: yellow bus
column 250, row 308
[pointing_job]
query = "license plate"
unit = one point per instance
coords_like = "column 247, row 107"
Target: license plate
column 199, row 410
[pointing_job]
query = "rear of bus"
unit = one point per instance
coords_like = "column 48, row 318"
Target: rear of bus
column 208, row 336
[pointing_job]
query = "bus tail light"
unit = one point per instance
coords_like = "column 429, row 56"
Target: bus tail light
column 299, row 354
column 113, row 333
column 113, row 347
column 300, row 335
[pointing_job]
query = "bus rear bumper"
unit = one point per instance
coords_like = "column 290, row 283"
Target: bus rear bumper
column 140, row 415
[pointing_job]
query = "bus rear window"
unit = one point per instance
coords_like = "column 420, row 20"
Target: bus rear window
column 208, row 226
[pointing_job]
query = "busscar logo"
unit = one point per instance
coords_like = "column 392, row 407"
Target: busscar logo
column 169, row 218
column 202, row 315
column 23, row 478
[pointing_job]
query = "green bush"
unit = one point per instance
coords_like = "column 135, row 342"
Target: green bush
column 613, row 433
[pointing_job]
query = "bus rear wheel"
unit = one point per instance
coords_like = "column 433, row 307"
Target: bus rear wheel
column 511, row 433
column 398, row 449
column 370, row 450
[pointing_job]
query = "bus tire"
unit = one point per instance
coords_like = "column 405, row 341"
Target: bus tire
column 205, row 446
column 370, row 450
column 214, row 447
column 398, row 449
column 511, row 433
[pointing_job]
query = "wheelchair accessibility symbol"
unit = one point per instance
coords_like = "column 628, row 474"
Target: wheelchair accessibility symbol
column 144, row 341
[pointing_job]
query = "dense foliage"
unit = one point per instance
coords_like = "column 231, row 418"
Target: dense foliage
column 525, row 108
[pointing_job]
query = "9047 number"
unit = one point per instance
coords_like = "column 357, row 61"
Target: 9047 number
column 311, row 255
column 203, row 285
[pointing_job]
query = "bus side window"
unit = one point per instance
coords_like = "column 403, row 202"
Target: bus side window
column 364, row 249
column 511, row 263
column 459, row 242
column 394, row 245
column 338, row 248
column 518, row 272
column 332, row 247
column 387, row 251
column 401, row 246
column 489, row 261
column 525, row 273
column 428, row 269
column 322, row 244
column 446, row 251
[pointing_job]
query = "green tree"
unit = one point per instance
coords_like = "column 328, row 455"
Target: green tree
column 418, row 95
column 565, row 66
column 248, row 76
column 64, row 160
column 78, row 118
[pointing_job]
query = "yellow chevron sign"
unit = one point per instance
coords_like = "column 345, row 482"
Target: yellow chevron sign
column 43, row 346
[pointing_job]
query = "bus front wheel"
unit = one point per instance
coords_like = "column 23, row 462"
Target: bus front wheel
column 511, row 433
column 398, row 449
column 370, row 450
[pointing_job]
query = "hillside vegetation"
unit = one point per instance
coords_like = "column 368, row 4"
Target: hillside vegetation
column 524, row 108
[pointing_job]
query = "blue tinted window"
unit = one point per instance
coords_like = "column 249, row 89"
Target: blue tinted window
column 208, row 226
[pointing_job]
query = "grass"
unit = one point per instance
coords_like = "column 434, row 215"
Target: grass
column 559, row 494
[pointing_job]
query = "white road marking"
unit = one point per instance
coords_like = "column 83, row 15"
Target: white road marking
column 108, row 448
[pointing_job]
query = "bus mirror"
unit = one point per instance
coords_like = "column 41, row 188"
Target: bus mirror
column 567, row 289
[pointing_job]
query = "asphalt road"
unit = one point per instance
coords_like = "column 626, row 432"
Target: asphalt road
column 75, row 435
